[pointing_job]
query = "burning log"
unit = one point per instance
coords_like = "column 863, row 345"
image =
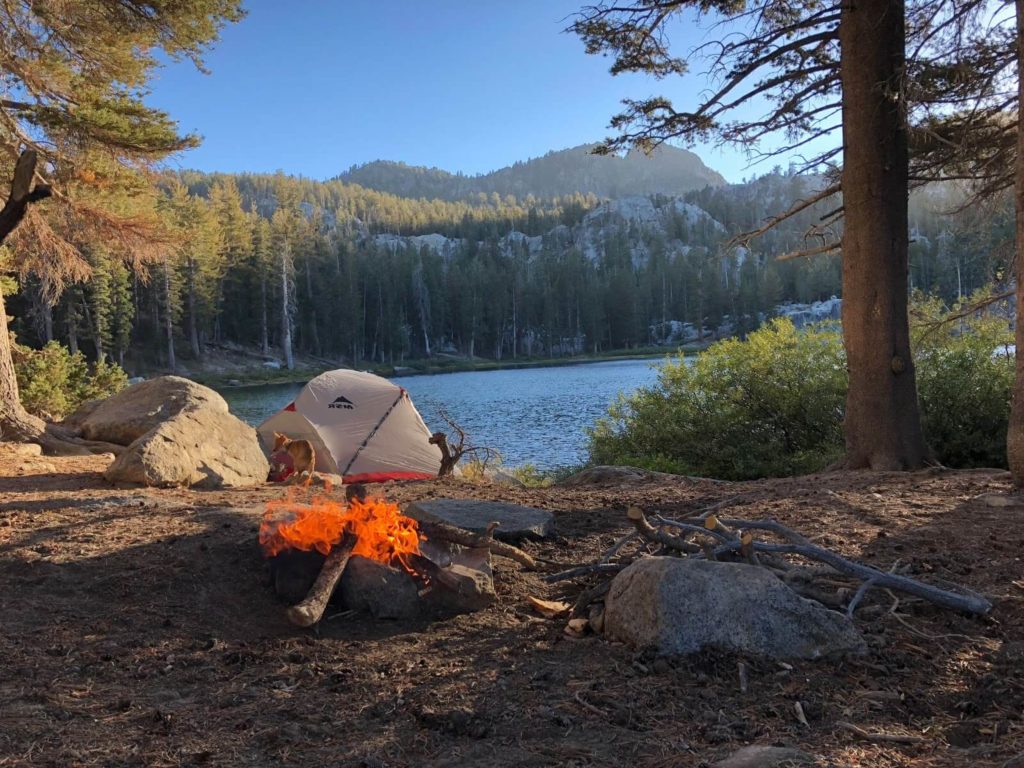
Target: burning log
column 377, row 559
column 311, row 610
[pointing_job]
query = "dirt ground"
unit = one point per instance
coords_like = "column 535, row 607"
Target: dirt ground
column 138, row 630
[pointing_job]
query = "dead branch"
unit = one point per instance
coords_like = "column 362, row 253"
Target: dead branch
column 614, row 549
column 965, row 600
column 880, row 738
column 649, row 532
column 463, row 538
column 453, row 446
column 816, row 251
column 591, row 595
column 585, row 570
column 744, row 238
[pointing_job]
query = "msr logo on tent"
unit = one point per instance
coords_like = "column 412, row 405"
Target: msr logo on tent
column 342, row 402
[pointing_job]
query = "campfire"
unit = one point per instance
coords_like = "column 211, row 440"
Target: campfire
column 380, row 560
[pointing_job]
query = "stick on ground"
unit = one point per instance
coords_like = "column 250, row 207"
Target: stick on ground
column 880, row 738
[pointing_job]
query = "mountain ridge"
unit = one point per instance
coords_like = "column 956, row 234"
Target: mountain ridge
column 576, row 170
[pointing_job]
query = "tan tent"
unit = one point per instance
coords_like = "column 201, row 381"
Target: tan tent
column 363, row 427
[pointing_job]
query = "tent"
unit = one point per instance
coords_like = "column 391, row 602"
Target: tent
column 363, row 427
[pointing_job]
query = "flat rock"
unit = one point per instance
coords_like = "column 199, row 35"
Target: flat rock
column 516, row 522
column 201, row 448
column 758, row 756
column 680, row 605
column 131, row 413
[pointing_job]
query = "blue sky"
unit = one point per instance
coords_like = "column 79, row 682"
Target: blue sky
column 312, row 87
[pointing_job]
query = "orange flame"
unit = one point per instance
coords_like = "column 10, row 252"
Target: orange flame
column 382, row 532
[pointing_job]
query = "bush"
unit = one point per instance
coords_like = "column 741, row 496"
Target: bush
column 768, row 406
column 773, row 405
column 965, row 379
column 53, row 382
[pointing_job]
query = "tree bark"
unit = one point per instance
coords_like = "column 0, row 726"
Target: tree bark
column 882, row 425
column 193, row 324
column 317, row 349
column 169, row 319
column 286, row 320
column 1015, row 433
column 93, row 330
column 264, row 334
column 15, row 422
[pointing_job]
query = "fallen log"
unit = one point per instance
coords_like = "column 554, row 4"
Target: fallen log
column 311, row 609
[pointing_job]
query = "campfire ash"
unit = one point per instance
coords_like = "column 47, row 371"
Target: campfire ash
column 379, row 560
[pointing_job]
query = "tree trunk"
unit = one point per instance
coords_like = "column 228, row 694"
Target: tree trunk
column 193, row 325
column 883, row 425
column 264, row 331
column 72, row 327
column 1015, row 433
column 169, row 319
column 97, row 341
column 286, row 321
column 15, row 422
column 312, row 309
column 45, row 312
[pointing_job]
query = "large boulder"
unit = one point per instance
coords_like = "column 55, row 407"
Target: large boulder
column 131, row 413
column 681, row 605
column 200, row 447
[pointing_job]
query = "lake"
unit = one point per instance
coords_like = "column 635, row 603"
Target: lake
column 531, row 415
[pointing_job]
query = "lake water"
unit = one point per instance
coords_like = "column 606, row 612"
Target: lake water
column 532, row 415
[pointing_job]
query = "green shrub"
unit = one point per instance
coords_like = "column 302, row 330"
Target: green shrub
column 768, row 406
column 53, row 382
column 773, row 405
column 964, row 383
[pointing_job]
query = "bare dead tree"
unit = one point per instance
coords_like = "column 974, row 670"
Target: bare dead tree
column 453, row 446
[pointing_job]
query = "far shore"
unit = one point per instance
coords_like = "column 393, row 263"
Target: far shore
column 259, row 376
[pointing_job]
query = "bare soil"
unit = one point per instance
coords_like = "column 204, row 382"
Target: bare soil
column 138, row 630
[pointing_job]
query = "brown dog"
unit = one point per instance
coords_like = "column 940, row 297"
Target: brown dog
column 301, row 451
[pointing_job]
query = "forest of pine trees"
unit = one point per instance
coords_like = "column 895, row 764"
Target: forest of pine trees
column 288, row 267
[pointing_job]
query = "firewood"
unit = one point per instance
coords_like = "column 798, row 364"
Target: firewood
column 309, row 611
column 588, row 596
column 649, row 532
column 964, row 600
column 463, row 538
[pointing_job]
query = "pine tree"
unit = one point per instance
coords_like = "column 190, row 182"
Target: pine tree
column 78, row 72
column 821, row 68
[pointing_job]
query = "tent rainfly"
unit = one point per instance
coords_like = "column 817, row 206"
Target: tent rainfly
column 363, row 427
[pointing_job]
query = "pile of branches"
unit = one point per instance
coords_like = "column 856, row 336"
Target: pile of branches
column 833, row 580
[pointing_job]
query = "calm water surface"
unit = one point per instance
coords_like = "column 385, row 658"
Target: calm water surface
column 534, row 415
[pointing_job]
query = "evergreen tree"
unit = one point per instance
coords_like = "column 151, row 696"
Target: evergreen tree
column 79, row 72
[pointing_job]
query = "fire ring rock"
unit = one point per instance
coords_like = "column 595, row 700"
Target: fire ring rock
column 516, row 522
column 679, row 606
